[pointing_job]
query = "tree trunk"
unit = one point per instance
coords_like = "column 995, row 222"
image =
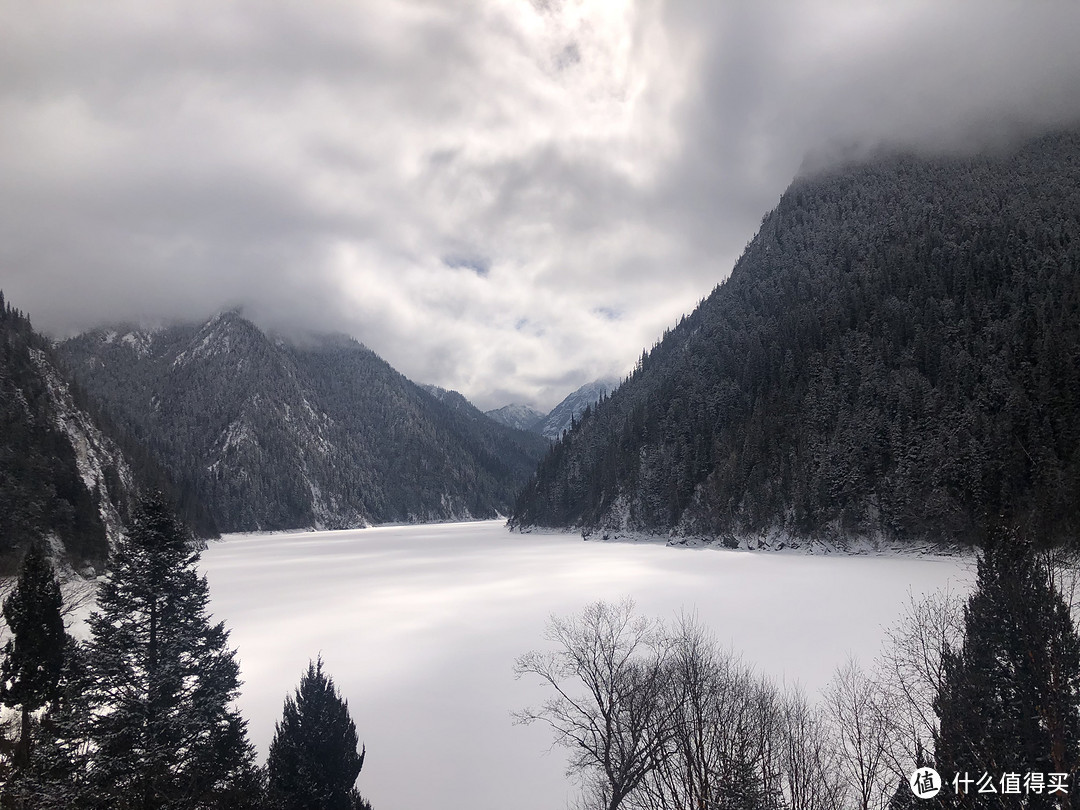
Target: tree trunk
column 22, row 751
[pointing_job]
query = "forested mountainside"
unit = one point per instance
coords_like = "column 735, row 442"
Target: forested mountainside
column 897, row 353
column 272, row 434
column 61, row 477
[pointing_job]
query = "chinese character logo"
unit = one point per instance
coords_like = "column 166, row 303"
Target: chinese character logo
column 925, row 783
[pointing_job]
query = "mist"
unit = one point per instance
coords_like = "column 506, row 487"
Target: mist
column 506, row 199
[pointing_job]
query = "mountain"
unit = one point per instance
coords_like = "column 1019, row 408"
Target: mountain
column 896, row 354
column 561, row 416
column 522, row 417
column 454, row 401
column 271, row 433
column 61, row 477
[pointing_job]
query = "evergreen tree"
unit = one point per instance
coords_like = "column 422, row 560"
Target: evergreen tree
column 893, row 355
column 162, row 680
column 903, row 798
column 1010, row 701
column 34, row 657
column 314, row 762
column 55, row 777
column 742, row 789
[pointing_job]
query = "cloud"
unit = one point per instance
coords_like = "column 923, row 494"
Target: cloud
column 470, row 189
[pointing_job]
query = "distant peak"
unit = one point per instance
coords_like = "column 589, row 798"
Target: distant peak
column 227, row 317
column 600, row 386
column 522, row 417
column 562, row 415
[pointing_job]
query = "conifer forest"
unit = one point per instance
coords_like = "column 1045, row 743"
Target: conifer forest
column 586, row 404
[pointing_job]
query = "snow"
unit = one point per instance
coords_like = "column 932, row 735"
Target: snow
column 519, row 416
column 215, row 341
column 574, row 405
column 138, row 342
column 235, row 436
column 93, row 451
column 420, row 625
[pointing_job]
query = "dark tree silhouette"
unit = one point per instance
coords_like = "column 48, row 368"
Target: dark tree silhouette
column 34, row 657
column 1010, row 701
column 314, row 761
column 162, row 680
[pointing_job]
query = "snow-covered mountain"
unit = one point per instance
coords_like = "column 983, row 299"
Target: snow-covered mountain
column 894, row 356
column 272, row 433
column 573, row 406
column 522, row 417
column 62, row 478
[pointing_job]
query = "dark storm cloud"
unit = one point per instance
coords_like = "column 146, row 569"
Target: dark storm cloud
column 470, row 189
column 784, row 86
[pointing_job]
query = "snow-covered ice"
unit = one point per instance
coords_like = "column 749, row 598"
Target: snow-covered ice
column 420, row 625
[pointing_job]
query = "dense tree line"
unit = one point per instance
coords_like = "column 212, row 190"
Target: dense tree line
column 897, row 353
column 142, row 715
column 66, row 470
column 656, row 716
column 41, row 491
column 274, row 434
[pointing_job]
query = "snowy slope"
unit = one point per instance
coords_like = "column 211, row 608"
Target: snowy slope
column 522, row 417
column 572, row 407
column 102, row 466
column 64, row 477
column 273, row 433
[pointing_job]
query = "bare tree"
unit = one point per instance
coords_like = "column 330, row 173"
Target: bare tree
column 716, row 727
column 911, row 671
column 811, row 780
column 608, row 675
column 1063, row 566
column 855, row 705
column 664, row 719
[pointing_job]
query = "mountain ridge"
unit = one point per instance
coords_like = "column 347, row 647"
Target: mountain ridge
column 895, row 354
column 516, row 415
column 562, row 416
column 64, row 476
column 318, row 433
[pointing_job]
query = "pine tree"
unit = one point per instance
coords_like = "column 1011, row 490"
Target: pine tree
column 1010, row 701
column 162, row 680
column 742, row 789
column 34, row 657
column 903, row 797
column 55, row 777
column 314, row 762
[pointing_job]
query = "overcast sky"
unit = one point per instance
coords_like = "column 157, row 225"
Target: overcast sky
column 508, row 198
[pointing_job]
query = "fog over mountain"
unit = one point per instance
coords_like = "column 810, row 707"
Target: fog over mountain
column 504, row 199
column 894, row 356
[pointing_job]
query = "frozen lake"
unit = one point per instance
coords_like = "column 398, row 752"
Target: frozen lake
column 420, row 625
